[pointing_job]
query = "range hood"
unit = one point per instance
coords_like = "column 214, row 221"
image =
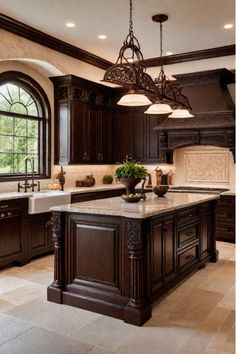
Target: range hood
column 213, row 108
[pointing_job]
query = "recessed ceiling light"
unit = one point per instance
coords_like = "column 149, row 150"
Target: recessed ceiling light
column 70, row 24
column 102, row 36
column 228, row 26
column 169, row 53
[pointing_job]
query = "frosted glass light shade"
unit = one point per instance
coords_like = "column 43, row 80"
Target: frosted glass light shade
column 159, row 108
column 181, row 113
column 134, row 99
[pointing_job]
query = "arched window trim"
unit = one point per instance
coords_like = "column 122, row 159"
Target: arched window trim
column 31, row 86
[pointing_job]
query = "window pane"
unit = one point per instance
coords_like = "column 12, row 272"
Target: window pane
column 19, row 163
column 18, row 108
column 32, row 145
column 6, row 125
column 20, row 127
column 20, row 145
column 6, row 143
column 13, row 92
column 5, row 105
column 24, row 97
column 32, row 110
column 6, row 163
column 32, row 128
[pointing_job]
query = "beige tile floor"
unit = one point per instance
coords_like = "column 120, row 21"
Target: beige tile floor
column 196, row 317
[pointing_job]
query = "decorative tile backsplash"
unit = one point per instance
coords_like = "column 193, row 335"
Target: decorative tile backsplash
column 206, row 166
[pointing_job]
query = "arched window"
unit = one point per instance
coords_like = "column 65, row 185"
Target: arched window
column 24, row 126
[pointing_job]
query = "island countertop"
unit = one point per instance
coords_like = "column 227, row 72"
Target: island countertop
column 152, row 206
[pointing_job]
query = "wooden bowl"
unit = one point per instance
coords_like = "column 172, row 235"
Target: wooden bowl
column 134, row 198
column 161, row 190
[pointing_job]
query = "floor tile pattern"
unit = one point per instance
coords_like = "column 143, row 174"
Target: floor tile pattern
column 197, row 317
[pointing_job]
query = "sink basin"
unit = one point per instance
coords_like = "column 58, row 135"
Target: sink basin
column 42, row 201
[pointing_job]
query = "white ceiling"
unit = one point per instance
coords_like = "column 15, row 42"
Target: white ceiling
column 192, row 25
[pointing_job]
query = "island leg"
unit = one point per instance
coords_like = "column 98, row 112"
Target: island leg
column 55, row 289
column 138, row 310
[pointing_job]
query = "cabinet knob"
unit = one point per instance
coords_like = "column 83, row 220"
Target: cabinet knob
column 9, row 213
column 86, row 156
column 2, row 215
column 100, row 156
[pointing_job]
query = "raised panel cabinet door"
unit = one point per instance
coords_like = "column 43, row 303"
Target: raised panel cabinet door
column 169, row 236
column 75, row 135
column 139, row 136
column 153, row 140
column 89, row 133
column 206, row 229
column 104, row 135
column 123, row 134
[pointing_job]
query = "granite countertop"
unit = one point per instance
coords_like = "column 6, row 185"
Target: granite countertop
column 71, row 190
column 141, row 210
column 96, row 188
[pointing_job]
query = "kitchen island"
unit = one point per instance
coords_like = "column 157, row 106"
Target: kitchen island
column 117, row 258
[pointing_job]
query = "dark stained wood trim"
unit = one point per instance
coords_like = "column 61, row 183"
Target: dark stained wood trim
column 11, row 25
column 191, row 56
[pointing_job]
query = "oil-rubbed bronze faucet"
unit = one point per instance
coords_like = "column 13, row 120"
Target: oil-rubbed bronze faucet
column 26, row 185
column 61, row 177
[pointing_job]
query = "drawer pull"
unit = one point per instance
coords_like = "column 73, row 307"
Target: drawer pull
column 222, row 215
column 222, row 229
column 4, row 206
column 190, row 256
column 189, row 233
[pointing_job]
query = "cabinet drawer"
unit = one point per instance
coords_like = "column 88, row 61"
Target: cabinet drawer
column 188, row 257
column 224, row 215
column 225, row 229
column 188, row 216
column 187, row 234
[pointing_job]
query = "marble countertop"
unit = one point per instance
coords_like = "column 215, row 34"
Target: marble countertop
column 14, row 195
column 152, row 206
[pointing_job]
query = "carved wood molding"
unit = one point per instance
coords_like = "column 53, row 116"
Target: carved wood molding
column 19, row 28
column 191, row 56
column 134, row 236
column 57, row 236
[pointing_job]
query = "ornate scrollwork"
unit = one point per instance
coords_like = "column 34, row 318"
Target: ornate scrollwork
column 55, row 223
column 134, row 236
column 63, row 93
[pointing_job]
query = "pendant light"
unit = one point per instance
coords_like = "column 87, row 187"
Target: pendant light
column 169, row 96
column 129, row 71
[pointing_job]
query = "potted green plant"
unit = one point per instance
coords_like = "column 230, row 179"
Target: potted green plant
column 130, row 173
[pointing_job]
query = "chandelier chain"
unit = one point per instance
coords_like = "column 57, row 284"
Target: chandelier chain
column 131, row 32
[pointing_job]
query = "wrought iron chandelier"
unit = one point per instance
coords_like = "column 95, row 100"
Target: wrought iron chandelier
column 169, row 98
column 129, row 71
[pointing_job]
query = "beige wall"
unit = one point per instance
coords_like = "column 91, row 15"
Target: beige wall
column 40, row 63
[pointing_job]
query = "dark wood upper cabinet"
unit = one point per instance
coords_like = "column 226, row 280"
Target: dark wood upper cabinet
column 83, row 121
column 135, row 133
column 91, row 128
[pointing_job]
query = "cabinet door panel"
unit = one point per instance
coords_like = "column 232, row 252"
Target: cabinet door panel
column 104, row 138
column 89, row 137
column 139, row 136
column 123, row 134
column 75, row 135
column 10, row 240
column 169, row 246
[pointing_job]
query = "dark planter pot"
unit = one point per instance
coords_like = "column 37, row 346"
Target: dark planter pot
column 130, row 184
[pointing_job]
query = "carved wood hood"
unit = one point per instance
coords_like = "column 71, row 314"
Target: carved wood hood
column 213, row 108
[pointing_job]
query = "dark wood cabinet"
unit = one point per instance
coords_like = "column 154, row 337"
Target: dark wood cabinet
column 225, row 218
column 40, row 238
column 135, row 134
column 13, row 235
column 83, row 121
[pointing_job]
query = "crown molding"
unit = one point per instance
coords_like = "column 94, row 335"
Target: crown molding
column 11, row 25
column 191, row 56
column 19, row 28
